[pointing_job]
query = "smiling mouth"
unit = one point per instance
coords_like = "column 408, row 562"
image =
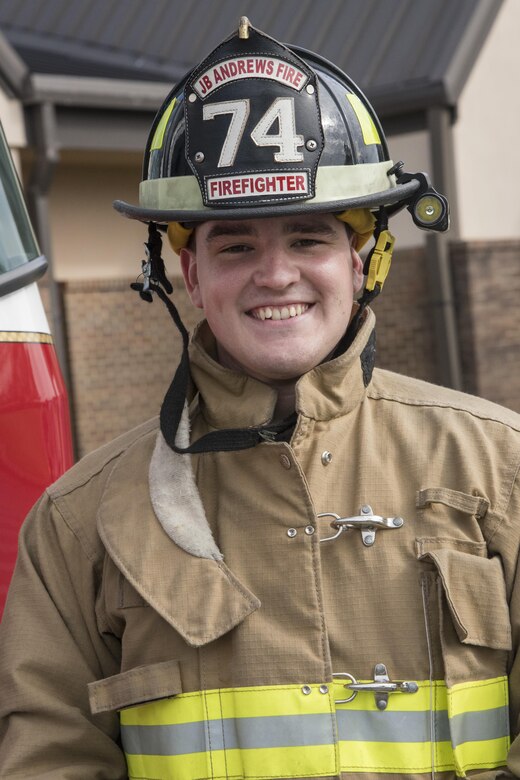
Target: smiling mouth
column 279, row 312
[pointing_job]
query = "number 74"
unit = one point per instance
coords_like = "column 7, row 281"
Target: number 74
column 287, row 139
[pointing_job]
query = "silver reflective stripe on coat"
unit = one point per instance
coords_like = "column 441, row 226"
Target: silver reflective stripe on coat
column 303, row 730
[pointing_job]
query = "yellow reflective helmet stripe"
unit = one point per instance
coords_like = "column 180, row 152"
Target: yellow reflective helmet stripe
column 158, row 136
column 368, row 128
column 280, row 731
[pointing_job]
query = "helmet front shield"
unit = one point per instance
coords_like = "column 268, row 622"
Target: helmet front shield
column 261, row 129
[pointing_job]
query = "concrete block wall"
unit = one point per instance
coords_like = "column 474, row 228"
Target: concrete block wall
column 486, row 279
column 405, row 338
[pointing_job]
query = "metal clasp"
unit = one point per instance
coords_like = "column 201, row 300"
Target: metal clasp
column 382, row 686
column 367, row 521
column 146, row 270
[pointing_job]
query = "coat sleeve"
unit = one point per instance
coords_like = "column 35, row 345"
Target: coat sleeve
column 51, row 647
column 508, row 539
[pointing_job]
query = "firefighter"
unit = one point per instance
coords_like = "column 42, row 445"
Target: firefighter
column 306, row 566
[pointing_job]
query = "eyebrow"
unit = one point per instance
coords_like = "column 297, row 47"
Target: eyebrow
column 229, row 229
column 246, row 229
column 314, row 227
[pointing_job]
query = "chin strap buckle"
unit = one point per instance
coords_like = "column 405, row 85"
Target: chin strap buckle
column 379, row 260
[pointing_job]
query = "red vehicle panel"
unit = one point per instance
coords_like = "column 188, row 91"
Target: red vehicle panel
column 35, row 433
column 35, row 445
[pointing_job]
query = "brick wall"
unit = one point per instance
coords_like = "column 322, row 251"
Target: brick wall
column 122, row 356
column 405, row 338
column 487, row 287
column 123, row 351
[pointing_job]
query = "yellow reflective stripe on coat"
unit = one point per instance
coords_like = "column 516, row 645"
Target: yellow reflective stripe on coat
column 280, row 731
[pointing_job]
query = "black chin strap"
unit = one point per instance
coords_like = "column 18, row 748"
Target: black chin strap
column 228, row 439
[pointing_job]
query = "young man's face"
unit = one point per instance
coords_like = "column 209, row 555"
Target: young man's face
column 277, row 292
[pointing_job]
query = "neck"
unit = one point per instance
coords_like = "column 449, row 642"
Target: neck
column 285, row 401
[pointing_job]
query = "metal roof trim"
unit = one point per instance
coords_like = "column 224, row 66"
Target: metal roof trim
column 86, row 91
column 442, row 88
column 84, row 54
column 13, row 70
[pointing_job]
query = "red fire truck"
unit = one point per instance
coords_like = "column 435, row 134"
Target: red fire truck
column 35, row 433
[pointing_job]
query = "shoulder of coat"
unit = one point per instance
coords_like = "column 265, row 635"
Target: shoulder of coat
column 103, row 459
column 397, row 388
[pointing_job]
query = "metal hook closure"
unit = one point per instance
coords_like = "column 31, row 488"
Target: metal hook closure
column 366, row 521
column 381, row 687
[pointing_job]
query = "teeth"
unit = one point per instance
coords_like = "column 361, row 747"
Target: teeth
column 283, row 313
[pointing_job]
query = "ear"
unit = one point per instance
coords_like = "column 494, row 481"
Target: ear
column 190, row 275
column 357, row 270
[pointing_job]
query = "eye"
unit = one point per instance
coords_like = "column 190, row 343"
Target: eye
column 307, row 242
column 236, row 249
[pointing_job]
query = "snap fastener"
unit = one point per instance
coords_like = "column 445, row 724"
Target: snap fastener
column 326, row 457
column 309, row 530
column 324, row 688
column 291, row 532
column 285, row 461
column 306, row 690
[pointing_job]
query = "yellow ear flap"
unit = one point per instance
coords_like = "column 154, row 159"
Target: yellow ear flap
column 362, row 222
column 178, row 236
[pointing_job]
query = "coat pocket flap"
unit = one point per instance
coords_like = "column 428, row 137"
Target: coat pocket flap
column 135, row 686
column 466, row 503
column 475, row 592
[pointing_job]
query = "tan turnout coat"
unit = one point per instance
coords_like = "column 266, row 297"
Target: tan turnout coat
column 132, row 588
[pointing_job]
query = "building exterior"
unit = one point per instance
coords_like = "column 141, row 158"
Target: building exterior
column 80, row 83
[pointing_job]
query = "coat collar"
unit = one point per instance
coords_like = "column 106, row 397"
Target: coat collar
column 228, row 399
column 176, row 568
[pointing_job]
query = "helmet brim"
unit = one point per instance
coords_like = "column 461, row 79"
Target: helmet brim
column 400, row 194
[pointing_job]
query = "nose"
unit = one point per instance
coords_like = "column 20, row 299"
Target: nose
column 276, row 270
